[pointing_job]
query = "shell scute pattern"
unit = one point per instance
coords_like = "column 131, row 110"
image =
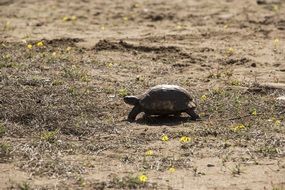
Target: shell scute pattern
column 162, row 100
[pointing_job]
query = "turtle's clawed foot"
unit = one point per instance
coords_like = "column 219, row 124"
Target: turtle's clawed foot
column 133, row 114
column 193, row 114
column 196, row 118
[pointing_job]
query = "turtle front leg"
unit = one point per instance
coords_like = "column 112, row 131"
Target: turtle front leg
column 133, row 114
column 192, row 113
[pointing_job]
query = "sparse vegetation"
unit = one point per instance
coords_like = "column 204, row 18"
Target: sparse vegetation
column 5, row 152
column 129, row 182
column 76, row 73
column 2, row 130
column 49, row 136
column 123, row 92
column 63, row 78
column 24, row 186
column 236, row 170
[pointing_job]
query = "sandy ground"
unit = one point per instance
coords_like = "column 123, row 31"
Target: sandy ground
column 62, row 118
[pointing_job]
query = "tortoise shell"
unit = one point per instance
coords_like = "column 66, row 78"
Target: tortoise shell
column 165, row 99
column 162, row 100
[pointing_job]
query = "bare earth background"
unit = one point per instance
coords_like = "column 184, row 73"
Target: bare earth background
column 62, row 118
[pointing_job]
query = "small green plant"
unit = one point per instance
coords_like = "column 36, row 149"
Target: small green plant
column 8, row 26
column 5, row 65
column 268, row 150
column 123, row 92
column 72, row 90
column 215, row 75
column 76, row 73
column 5, row 151
column 57, row 82
column 236, row 170
column 228, row 73
column 235, row 83
column 278, row 187
column 24, row 186
column 80, row 181
column 129, row 182
column 49, row 136
column 2, row 130
column 218, row 91
column 126, row 182
column 108, row 90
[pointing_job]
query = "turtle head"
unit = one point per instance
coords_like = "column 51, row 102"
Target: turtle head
column 132, row 100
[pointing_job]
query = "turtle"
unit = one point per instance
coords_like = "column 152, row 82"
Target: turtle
column 162, row 100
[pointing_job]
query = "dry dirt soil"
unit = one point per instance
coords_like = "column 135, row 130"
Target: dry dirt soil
column 66, row 65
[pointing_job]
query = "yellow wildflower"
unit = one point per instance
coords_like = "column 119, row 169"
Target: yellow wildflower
column 123, row 92
column 171, row 169
column 40, row 44
column 7, row 23
column 276, row 40
column 238, row 128
column 73, row 18
column 275, row 7
column 203, row 98
column 149, row 153
column 7, row 56
column 179, row 27
column 109, row 65
column 68, row 48
column 254, row 112
column 125, row 18
column 185, row 139
column 143, row 178
column 29, row 46
column 65, row 18
column 164, row 138
column 277, row 122
column 230, row 51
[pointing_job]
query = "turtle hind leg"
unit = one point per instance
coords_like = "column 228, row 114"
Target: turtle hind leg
column 133, row 114
column 192, row 113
